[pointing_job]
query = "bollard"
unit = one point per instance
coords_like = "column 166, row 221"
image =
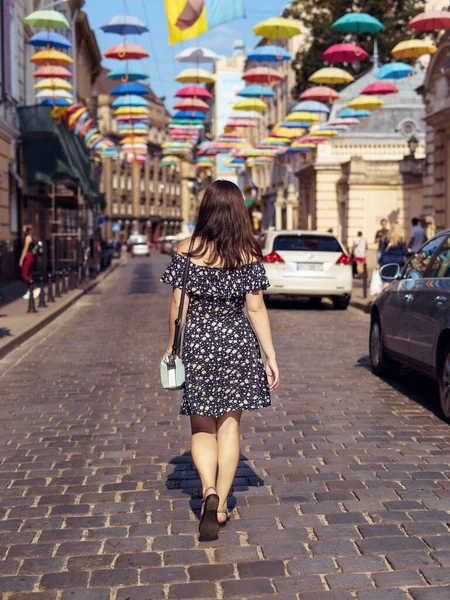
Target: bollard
column 31, row 305
column 76, row 277
column 50, row 296
column 63, row 282
column 365, row 281
column 57, row 286
column 69, row 279
column 42, row 303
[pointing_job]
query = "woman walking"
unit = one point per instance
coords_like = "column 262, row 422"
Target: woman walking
column 26, row 261
column 225, row 373
column 394, row 248
column 359, row 251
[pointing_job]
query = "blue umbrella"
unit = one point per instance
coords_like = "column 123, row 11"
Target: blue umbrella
column 129, row 88
column 130, row 71
column 189, row 114
column 269, row 54
column 130, row 100
column 296, row 124
column 124, row 25
column 335, row 127
column 49, row 38
column 298, row 150
column 311, row 106
column 256, row 91
column 394, row 70
column 56, row 102
column 361, row 113
column 346, row 113
column 358, row 23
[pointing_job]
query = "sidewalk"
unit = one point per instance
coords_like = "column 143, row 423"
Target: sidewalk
column 17, row 325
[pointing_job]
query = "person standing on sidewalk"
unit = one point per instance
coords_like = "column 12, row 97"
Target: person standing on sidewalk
column 417, row 236
column 225, row 373
column 359, row 253
column 380, row 237
column 26, row 261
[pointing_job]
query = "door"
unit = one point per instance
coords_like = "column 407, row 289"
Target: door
column 430, row 303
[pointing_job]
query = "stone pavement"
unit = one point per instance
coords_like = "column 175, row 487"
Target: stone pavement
column 343, row 490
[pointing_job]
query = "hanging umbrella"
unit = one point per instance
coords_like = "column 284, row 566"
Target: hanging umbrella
column 331, row 76
column 432, row 20
column 197, row 55
column 346, row 113
column 256, row 91
column 311, row 106
column 74, row 116
column 287, row 133
column 187, row 122
column 195, row 76
column 51, row 57
column 344, row 53
column 56, row 102
column 53, row 83
column 54, row 94
column 130, row 100
column 47, row 39
column 269, row 54
column 362, row 113
column 132, row 117
column 127, row 73
column 50, row 71
column 303, row 116
column 193, row 91
column 124, row 25
column 412, row 49
column 379, row 88
column 366, row 103
column 328, row 133
column 343, row 121
column 132, row 110
column 244, row 123
column 394, row 70
column 262, row 75
column 250, row 104
column 189, row 114
column 296, row 124
column 129, row 88
column 321, row 93
column 47, row 19
column 194, row 104
column 358, row 23
column 133, row 139
column 277, row 28
column 126, row 51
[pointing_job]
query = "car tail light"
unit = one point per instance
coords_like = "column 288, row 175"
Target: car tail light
column 273, row 257
column 344, row 260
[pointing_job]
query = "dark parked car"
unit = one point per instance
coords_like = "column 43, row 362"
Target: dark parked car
column 410, row 320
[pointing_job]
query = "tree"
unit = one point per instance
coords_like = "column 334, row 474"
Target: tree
column 318, row 16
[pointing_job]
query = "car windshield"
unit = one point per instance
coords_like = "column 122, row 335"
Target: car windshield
column 311, row 243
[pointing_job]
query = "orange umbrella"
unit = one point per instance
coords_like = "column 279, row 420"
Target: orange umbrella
column 191, row 104
column 126, row 51
column 51, row 57
column 50, row 71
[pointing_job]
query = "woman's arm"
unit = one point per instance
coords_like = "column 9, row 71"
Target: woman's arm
column 173, row 314
column 25, row 250
column 257, row 313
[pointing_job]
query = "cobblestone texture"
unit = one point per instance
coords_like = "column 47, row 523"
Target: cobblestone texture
column 342, row 492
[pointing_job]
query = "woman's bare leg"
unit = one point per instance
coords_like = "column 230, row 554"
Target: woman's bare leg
column 228, row 441
column 204, row 449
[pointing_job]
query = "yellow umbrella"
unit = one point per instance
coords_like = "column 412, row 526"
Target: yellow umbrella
column 366, row 103
column 54, row 83
column 277, row 28
column 323, row 133
column 303, row 116
column 287, row 132
column 250, row 104
column 331, row 76
column 286, row 140
column 195, row 76
column 301, row 145
column 130, row 139
column 412, row 49
column 76, row 115
column 51, row 57
column 131, row 110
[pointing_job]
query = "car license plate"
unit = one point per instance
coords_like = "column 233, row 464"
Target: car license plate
column 309, row 266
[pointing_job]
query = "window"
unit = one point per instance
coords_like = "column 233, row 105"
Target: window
column 114, row 180
column 308, row 243
column 440, row 267
column 418, row 263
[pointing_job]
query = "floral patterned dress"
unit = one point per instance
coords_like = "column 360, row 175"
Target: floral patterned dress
column 221, row 354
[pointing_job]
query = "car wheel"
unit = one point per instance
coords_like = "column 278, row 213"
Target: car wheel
column 340, row 302
column 381, row 364
column 316, row 302
column 444, row 383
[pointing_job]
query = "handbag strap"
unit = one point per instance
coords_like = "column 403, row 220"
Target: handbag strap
column 177, row 335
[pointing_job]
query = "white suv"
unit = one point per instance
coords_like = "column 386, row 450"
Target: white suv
column 308, row 264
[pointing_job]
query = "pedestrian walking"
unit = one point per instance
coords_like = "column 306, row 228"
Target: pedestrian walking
column 225, row 373
column 380, row 237
column 359, row 253
column 417, row 236
column 394, row 250
column 27, row 260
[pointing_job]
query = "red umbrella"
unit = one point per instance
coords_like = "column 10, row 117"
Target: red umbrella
column 321, row 93
column 344, row 53
column 262, row 75
column 431, row 20
column 379, row 88
column 191, row 104
column 52, row 71
column 193, row 91
column 126, row 51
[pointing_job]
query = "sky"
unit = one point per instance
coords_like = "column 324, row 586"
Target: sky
column 161, row 65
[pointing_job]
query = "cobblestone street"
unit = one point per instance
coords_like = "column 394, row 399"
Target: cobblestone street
column 343, row 489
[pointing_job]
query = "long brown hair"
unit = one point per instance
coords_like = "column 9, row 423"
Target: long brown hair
column 223, row 229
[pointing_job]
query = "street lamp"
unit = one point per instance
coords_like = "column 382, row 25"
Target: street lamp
column 413, row 144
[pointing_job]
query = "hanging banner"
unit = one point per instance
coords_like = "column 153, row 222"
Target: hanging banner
column 188, row 19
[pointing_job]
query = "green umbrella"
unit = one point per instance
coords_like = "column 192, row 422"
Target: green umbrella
column 358, row 23
column 47, row 19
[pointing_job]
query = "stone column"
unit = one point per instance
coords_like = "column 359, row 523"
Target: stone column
column 279, row 205
column 291, row 207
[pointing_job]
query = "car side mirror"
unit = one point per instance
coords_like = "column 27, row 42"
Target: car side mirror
column 390, row 272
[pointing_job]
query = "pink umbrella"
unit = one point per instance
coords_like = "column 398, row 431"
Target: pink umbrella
column 262, row 75
column 431, row 20
column 343, row 121
column 126, row 51
column 379, row 88
column 344, row 53
column 231, row 134
column 191, row 104
column 321, row 93
column 193, row 91
column 232, row 123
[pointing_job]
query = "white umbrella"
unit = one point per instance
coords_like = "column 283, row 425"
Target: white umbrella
column 197, row 55
column 244, row 114
column 49, row 93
